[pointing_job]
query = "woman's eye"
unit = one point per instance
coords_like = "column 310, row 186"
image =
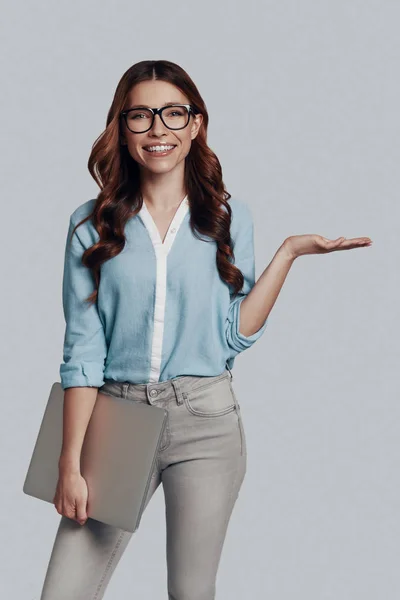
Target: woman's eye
column 175, row 113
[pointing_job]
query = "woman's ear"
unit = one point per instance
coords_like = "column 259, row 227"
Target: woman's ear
column 197, row 121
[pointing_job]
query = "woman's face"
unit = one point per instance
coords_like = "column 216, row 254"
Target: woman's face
column 156, row 93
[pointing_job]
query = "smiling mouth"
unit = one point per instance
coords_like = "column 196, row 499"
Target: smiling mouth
column 160, row 152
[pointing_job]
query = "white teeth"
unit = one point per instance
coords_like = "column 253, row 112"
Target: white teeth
column 159, row 148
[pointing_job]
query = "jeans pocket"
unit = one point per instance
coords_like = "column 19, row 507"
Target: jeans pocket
column 212, row 400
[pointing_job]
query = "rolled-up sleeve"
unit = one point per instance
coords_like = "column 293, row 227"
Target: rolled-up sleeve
column 244, row 259
column 85, row 348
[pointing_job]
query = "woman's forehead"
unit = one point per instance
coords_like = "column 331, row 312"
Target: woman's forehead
column 155, row 93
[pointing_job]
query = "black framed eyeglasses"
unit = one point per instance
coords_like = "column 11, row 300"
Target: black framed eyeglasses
column 141, row 119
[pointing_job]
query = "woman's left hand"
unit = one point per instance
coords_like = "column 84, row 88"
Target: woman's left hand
column 297, row 245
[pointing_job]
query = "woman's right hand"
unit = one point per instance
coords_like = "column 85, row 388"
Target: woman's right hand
column 71, row 496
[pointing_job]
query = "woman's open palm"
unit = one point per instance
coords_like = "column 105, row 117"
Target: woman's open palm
column 298, row 245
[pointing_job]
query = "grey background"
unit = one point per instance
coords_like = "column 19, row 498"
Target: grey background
column 304, row 116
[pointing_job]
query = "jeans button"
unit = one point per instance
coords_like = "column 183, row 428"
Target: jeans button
column 153, row 393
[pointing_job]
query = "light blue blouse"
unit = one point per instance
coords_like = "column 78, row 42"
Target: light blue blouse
column 162, row 308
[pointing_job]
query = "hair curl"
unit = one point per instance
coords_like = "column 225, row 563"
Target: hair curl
column 117, row 175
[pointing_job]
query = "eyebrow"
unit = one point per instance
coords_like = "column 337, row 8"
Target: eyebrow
column 147, row 106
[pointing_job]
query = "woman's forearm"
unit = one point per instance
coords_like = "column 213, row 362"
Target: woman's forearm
column 257, row 305
column 78, row 407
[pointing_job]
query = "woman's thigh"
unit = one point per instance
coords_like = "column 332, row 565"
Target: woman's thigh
column 202, row 471
column 84, row 557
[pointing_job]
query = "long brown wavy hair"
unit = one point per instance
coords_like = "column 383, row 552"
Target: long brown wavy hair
column 118, row 177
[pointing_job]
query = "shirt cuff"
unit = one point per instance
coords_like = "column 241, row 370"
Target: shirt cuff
column 81, row 375
column 236, row 339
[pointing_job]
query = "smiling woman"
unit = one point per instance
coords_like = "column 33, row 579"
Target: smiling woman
column 159, row 297
column 146, row 127
column 156, row 269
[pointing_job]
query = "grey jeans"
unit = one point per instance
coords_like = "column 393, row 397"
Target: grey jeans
column 201, row 464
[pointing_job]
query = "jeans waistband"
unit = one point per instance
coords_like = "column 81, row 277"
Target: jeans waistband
column 155, row 392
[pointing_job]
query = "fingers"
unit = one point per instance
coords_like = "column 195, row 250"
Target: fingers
column 355, row 242
column 78, row 514
column 351, row 244
column 352, row 241
column 81, row 515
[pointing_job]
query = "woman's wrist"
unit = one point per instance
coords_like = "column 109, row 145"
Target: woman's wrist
column 69, row 463
column 286, row 250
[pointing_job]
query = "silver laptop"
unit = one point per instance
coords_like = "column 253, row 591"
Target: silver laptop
column 118, row 456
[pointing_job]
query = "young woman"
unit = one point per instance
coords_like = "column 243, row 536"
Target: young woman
column 159, row 296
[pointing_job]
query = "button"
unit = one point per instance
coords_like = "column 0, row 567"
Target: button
column 173, row 230
column 153, row 393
